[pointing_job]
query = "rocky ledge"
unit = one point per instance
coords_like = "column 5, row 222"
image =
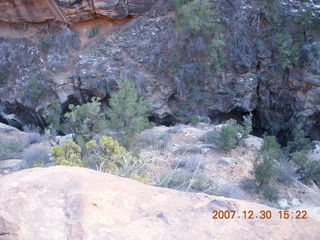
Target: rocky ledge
column 75, row 203
column 37, row 11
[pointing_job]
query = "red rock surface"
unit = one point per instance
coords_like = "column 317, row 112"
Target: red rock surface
column 37, row 11
column 76, row 203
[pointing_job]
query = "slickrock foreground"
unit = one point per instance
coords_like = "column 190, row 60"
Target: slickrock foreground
column 76, row 203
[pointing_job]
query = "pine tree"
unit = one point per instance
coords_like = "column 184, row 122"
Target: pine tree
column 127, row 113
column 85, row 121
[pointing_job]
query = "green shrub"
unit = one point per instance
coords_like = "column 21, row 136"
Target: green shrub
column 272, row 148
column 300, row 159
column 313, row 172
column 193, row 16
column 271, row 193
column 300, row 140
column 53, row 116
column 181, row 179
column 36, row 87
column 246, row 125
column 202, row 183
column 34, row 157
column 264, row 170
column 3, row 76
column 85, row 121
column 216, row 54
column 108, row 156
column 193, row 119
column 288, row 50
column 285, row 173
column 155, row 140
column 10, row 149
column 44, row 45
column 68, row 154
column 176, row 179
column 127, row 113
column 228, row 137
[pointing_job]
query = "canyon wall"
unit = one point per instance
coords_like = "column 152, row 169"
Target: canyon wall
column 71, row 50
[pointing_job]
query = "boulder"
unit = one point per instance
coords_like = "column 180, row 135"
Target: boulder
column 78, row 203
column 252, row 143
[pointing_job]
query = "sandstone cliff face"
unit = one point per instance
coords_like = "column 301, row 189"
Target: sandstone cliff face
column 37, row 11
column 81, row 59
column 75, row 203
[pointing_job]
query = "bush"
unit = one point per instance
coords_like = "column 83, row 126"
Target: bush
column 34, row 138
column 181, row 179
column 35, row 157
column 53, row 116
column 85, row 121
column 264, row 170
column 216, row 55
column 3, row 76
column 271, row 193
column 155, row 140
column 300, row 140
column 288, row 50
column 285, row 173
column 36, row 87
column 248, row 185
column 11, row 149
column 202, row 183
column 127, row 113
column 300, row 159
column 68, row 154
column 176, row 179
column 246, row 125
column 231, row 190
column 193, row 16
column 44, row 45
column 228, row 137
column 193, row 119
column 272, row 148
column 313, row 172
column 108, row 156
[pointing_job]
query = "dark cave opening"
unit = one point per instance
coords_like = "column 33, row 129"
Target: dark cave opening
column 167, row 121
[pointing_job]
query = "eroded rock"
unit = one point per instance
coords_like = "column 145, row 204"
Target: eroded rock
column 78, row 203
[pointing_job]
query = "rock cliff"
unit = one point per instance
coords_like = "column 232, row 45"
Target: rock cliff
column 75, row 203
column 73, row 50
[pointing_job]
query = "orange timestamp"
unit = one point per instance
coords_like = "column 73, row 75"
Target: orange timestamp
column 263, row 214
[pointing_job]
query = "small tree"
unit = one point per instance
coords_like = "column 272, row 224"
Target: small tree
column 84, row 121
column 53, row 116
column 272, row 148
column 127, row 113
column 300, row 140
column 264, row 169
column 68, row 154
column 194, row 16
column 106, row 154
column 109, row 156
column 246, row 125
column 228, row 137
column 300, row 159
column 36, row 87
